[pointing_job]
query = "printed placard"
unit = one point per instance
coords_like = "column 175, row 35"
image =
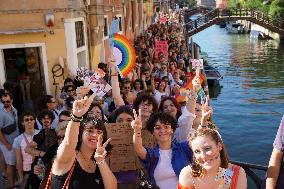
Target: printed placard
column 161, row 47
column 94, row 81
column 197, row 64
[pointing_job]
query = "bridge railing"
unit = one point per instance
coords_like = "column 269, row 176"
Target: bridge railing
column 258, row 15
column 249, row 13
column 201, row 20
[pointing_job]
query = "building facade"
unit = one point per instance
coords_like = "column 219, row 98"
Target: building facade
column 39, row 40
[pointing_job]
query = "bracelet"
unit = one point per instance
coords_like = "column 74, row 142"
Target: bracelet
column 101, row 162
column 114, row 75
column 76, row 118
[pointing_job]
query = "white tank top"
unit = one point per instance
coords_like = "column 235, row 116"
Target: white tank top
column 164, row 174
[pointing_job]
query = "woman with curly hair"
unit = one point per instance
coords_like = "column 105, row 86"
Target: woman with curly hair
column 167, row 158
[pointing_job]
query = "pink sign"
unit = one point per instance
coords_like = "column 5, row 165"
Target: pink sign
column 163, row 20
column 161, row 47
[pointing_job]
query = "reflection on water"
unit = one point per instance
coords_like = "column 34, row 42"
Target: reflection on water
column 250, row 105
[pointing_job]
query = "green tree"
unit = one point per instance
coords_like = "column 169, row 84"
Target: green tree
column 277, row 9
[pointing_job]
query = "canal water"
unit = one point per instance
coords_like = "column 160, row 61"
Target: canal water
column 249, row 106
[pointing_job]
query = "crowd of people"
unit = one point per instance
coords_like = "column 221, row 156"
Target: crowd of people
column 65, row 145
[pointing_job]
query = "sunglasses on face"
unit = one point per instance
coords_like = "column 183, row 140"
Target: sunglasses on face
column 61, row 120
column 6, row 101
column 29, row 119
column 127, row 87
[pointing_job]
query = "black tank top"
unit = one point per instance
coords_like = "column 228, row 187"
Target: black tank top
column 79, row 179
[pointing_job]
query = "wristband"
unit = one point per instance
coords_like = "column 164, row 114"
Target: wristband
column 76, row 118
column 101, row 162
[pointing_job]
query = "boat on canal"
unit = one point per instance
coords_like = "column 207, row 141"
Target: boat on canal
column 235, row 28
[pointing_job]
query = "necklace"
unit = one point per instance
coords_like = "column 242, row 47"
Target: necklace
column 223, row 176
column 87, row 162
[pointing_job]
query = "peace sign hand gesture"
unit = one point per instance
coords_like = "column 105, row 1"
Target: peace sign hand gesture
column 136, row 124
column 206, row 111
column 101, row 152
column 80, row 107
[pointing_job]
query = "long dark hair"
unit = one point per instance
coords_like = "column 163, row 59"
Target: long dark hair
column 98, row 124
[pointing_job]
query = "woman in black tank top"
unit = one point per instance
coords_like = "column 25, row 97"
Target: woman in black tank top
column 80, row 160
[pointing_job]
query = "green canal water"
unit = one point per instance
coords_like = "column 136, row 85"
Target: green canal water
column 249, row 106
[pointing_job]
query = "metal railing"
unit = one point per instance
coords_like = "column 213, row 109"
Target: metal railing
column 217, row 15
column 249, row 168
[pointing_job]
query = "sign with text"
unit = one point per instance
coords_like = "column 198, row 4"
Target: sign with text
column 163, row 20
column 123, row 157
column 161, row 47
column 197, row 64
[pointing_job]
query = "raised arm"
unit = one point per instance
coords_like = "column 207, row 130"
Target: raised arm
column 69, row 143
column 136, row 125
column 118, row 101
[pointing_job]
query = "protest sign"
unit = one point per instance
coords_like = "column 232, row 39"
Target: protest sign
column 123, row 157
column 197, row 64
column 163, row 20
column 94, row 81
column 161, row 47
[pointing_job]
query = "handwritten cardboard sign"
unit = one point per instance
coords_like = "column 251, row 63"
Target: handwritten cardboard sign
column 123, row 157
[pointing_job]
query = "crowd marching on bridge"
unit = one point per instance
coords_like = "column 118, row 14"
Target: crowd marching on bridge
column 66, row 144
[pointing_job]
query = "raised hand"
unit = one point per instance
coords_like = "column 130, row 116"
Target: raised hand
column 80, row 107
column 101, row 152
column 206, row 110
column 196, row 83
column 136, row 124
column 82, row 91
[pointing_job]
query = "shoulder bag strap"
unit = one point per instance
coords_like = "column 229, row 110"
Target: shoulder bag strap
column 26, row 140
column 236, row 170
column 66, row 183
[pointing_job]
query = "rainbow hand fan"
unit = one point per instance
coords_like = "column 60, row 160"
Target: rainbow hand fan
column 124, row 54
